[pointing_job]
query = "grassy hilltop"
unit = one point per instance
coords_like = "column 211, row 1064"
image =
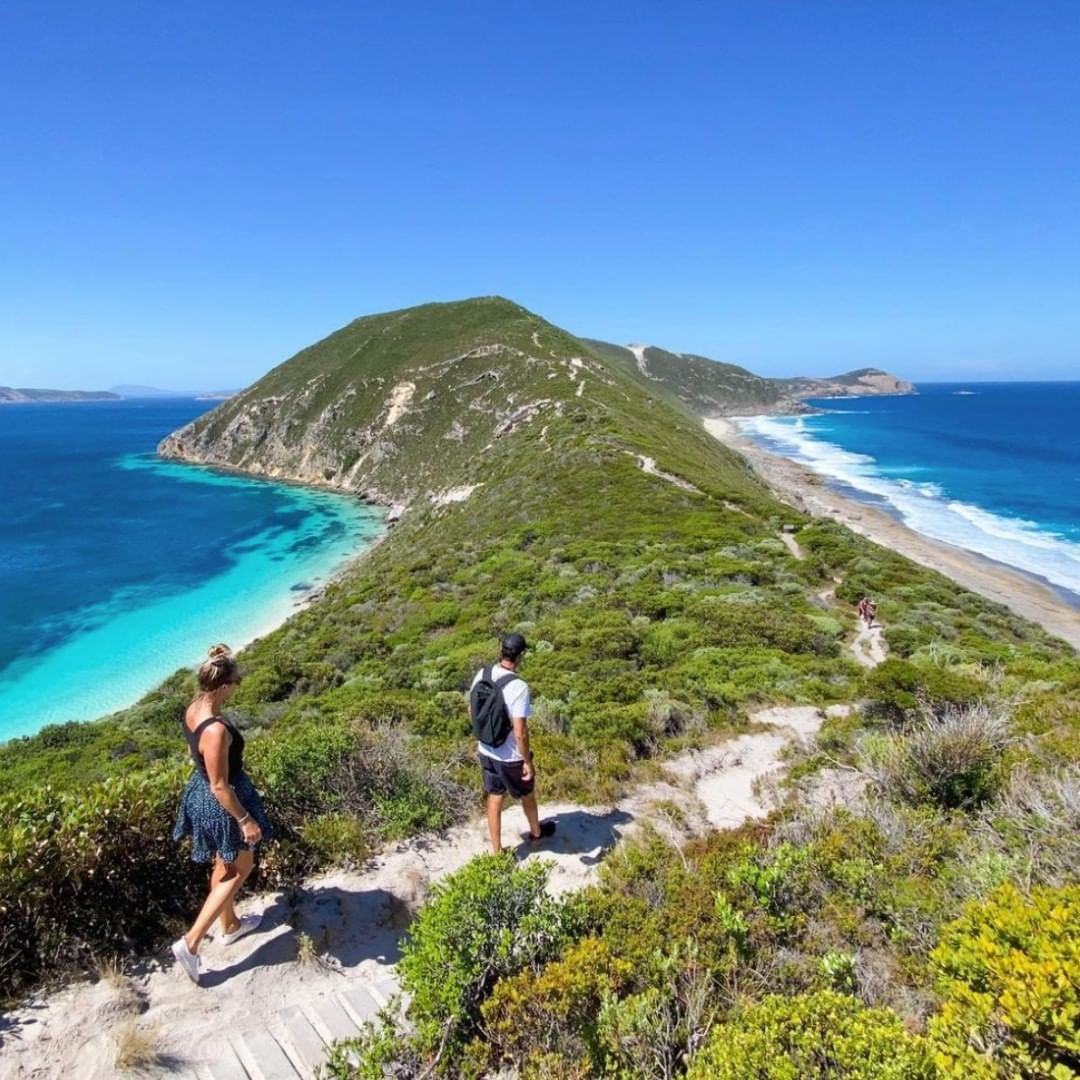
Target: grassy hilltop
column 546, row 484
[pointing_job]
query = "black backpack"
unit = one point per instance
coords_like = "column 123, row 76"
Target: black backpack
column 487, row 707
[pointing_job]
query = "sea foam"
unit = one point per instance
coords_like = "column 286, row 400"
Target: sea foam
column 923, row 505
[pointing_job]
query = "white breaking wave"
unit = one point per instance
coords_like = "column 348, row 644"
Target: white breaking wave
column 925, row 507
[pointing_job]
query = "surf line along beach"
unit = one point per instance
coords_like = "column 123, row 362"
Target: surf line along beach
column 807, row 491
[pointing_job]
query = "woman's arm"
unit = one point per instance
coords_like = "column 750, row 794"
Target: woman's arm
column 214, row 747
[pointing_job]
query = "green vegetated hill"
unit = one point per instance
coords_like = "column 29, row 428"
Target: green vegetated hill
column 711, row 388
column 546, row 484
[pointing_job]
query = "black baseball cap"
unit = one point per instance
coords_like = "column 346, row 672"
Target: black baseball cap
column 513, row 645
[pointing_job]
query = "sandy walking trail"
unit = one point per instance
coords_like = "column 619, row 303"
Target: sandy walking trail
column 869, row 646
column 324, row 959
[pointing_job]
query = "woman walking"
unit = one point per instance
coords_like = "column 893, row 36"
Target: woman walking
column 220, row 810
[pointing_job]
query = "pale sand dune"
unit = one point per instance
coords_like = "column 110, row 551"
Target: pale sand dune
column 808, row 492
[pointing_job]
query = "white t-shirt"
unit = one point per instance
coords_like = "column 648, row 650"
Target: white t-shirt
column 518, row 703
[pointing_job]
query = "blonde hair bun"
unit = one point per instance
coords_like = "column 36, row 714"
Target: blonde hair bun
column 218, row 669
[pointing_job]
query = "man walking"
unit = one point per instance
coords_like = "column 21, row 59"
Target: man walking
column 500, row 706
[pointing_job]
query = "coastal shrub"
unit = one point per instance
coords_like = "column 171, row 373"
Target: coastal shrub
column 760, row 626
column 772, row 877
column 313, row 768
column 665, row 642
column 615, row 723
column 1008, row 971
column 90, row 873
column 898, row 690
column 951, row 760
column 337, row 839
column 1035, row 823
column 820, row 1036
column 546, row 1023
column 656, row 1032
column 489, row 920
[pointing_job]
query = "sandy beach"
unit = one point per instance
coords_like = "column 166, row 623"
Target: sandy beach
column 810, row 493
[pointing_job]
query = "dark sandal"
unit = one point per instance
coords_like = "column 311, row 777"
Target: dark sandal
column 547, row 829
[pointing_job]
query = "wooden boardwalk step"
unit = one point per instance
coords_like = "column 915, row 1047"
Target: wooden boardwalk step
column 226, row 1066
column 330, row 1020
column 359, row 1004
column 262, row 1057
column 301, row 1041
column 383, row 990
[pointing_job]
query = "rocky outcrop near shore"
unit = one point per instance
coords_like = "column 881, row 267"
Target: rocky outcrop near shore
column 865, row 381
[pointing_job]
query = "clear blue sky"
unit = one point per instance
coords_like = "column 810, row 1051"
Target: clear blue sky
column 191, row 192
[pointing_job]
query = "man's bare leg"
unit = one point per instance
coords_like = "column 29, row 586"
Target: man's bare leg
column 532, row 814
column 494, row 818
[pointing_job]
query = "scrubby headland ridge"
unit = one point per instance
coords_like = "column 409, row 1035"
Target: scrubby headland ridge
column 926, row 929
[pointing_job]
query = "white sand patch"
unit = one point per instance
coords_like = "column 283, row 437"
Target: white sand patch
column 869, row 647
column 793, row 545
column 719, row 428
column 639, row 356
column 453, row 495
column 400, row 397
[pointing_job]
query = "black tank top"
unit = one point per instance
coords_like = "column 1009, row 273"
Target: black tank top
column 236, row 747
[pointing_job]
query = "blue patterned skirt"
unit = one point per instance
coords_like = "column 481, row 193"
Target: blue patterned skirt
column 213, row 830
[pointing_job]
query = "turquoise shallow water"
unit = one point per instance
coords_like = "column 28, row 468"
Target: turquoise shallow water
column 116, row 568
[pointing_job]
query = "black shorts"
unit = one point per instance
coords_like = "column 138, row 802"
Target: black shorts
column 501, row 777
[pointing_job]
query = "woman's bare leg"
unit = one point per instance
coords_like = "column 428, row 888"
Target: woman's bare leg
column 228, row 918
column 222, row 891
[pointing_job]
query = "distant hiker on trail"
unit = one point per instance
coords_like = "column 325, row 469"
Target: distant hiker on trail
column 867, row 611
column 220, row 810
column 500, row 706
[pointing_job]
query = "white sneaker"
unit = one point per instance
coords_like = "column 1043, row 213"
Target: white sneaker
column 188, row 960
column 247, row 924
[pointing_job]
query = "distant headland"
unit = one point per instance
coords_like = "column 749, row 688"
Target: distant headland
column 11, row 395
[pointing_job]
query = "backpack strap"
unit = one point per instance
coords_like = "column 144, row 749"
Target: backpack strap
column 505, row 680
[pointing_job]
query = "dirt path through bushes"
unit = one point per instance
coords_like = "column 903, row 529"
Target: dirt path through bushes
column 869, row 646
column 325, row 957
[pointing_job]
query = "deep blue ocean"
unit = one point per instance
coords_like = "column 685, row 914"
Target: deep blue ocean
column 116, row 568
column 992, row 467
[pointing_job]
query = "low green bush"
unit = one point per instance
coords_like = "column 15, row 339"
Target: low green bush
column 898, row 690
column 488, row 921
column 545, row 1024
column 90, row 873
column 1008, row 971
column 820, row 1036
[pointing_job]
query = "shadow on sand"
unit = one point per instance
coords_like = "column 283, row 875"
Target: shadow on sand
column 345, row 928
column 587, row 835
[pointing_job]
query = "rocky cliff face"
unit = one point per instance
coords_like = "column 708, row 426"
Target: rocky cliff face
column 407, row 405
column 853, row 384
